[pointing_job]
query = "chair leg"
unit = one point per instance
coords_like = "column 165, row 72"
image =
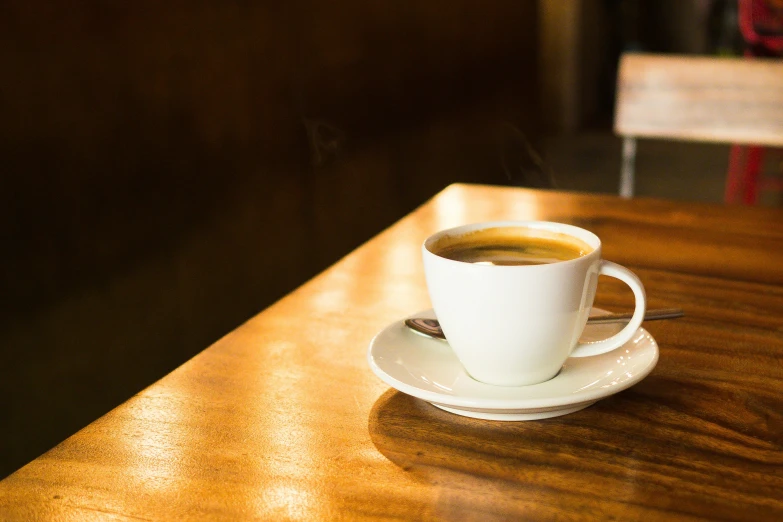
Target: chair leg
column 755, row 157
column 627, row 168
column 734, row 175
column 742, row 179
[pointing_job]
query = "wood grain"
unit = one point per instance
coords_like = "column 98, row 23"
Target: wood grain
column 282, row 419
column 714, row 99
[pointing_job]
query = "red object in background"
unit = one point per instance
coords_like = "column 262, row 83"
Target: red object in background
column 761, row 25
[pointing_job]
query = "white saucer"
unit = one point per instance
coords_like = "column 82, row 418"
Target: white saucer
column 427, row 368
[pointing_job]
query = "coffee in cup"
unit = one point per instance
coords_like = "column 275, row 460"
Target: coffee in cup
column 510, row 246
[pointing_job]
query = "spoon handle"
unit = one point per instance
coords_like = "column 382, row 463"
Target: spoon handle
column 653, row 314
column 431, row 327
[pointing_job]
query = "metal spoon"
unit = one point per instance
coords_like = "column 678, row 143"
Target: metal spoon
column 431, row 327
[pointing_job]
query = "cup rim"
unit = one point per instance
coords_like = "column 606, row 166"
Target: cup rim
column 553, row 226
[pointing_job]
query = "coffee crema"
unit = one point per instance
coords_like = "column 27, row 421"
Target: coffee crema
column 511, row 246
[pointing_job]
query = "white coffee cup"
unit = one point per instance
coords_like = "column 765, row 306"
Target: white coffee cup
column 517, row 325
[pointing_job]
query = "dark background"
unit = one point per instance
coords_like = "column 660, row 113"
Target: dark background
column 169, row 169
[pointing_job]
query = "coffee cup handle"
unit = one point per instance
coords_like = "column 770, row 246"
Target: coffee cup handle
column 626, row 334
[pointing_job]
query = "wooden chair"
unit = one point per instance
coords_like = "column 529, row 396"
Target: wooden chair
column 708, row 99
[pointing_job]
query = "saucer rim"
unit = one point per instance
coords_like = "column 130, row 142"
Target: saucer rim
column 516, row 415
column 508, row 404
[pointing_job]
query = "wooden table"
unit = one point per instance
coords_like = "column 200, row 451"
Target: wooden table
column 283, row 419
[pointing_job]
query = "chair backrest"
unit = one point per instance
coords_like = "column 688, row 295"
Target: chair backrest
column 712, row 99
